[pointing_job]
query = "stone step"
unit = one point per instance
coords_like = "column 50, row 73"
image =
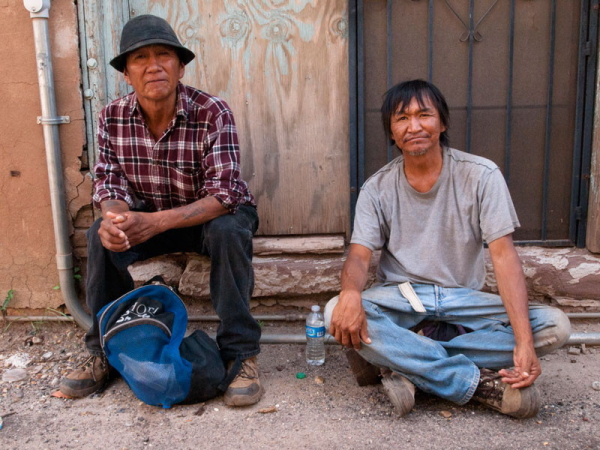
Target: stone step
column 566, row 277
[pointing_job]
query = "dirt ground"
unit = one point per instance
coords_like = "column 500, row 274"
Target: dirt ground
column 331, row 411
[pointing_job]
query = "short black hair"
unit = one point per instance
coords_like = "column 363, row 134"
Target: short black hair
column 403, row 93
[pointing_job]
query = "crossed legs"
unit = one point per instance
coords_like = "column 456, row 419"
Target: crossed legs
column 449, row 369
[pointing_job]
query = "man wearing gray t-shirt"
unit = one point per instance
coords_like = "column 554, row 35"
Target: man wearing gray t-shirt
column 430, row 211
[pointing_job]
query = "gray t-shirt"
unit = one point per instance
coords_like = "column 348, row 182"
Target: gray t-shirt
column 435, row 237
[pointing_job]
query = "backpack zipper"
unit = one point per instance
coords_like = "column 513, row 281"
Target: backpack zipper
column 114, row 302
column 146, row 320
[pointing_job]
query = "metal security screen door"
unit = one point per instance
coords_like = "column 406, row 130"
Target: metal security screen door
column 519, row 79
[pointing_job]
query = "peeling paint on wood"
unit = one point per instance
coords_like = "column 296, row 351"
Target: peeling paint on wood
column 102, row 23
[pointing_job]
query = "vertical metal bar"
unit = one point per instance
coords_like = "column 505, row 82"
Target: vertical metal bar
column 511, row 62
column 548, row 137
column 353, row 106
column 579, row 122
column 430, row 48
column 588, row 125
column 360, row 75
column 388, row 42
column 389, row 81
column 470, row 79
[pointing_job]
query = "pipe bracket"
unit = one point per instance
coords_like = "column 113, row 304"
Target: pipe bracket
column 65, row 261
column 53, row 120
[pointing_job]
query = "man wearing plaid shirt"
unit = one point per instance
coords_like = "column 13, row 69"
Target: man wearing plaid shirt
column 168, row 180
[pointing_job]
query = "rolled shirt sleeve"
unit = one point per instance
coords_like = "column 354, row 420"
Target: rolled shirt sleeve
column 110, row 181
column 221, row 164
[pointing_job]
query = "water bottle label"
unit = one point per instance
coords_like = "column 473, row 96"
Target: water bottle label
column 315, row 332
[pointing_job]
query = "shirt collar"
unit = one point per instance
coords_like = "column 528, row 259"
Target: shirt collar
column 181, row 105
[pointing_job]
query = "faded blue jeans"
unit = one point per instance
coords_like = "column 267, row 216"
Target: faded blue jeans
column 449, row 369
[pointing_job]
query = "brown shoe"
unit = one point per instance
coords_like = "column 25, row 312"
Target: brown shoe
column 494, row 393
column 245, row 389
column 90, row 377
column 365, row 372
column 400, row 391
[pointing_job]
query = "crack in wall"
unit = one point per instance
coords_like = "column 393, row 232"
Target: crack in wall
column 11, row 83
column 75, row 197
column 28, row 281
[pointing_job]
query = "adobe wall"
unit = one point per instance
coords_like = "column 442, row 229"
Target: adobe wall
column 27, row 247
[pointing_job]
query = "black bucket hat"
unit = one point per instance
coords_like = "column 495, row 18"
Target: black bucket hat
column 147, row 30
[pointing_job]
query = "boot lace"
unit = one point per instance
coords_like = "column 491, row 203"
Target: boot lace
column 490, row 387
column 90, row 362
column 247, row 371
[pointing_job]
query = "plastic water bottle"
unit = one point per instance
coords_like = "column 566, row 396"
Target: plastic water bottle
column 315, row 337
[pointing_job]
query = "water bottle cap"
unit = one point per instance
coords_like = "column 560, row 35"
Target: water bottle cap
column 315, row 308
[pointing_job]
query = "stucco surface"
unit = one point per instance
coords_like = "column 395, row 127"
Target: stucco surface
column 27, row 246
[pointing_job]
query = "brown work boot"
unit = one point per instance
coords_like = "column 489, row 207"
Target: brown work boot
column 365, row 372
column 245, row 389
column 90, row 377
column 400, row 391
column 494, row 393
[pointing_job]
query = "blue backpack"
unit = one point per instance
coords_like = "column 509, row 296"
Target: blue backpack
column 142, row 335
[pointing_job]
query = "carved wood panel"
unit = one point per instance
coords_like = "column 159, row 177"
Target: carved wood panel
column 282, row 66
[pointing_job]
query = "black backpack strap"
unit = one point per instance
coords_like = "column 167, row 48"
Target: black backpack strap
column 235, row 369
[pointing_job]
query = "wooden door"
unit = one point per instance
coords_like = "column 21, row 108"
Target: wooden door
column 282, row 66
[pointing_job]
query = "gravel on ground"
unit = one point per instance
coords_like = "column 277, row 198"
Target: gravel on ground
column 326, row 409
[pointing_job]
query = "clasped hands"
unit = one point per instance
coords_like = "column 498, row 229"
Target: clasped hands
column 120, row 231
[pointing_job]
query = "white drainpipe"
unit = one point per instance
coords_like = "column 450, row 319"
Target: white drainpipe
column 39, row 12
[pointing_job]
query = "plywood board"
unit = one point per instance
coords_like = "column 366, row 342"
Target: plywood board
column 283, row 68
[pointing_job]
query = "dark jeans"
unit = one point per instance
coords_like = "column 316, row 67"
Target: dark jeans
column 227, row 240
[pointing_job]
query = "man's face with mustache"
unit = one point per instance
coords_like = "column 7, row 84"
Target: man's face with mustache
column 416, row 128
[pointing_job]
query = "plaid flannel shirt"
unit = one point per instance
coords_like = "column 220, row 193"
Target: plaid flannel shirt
column 197, row 156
